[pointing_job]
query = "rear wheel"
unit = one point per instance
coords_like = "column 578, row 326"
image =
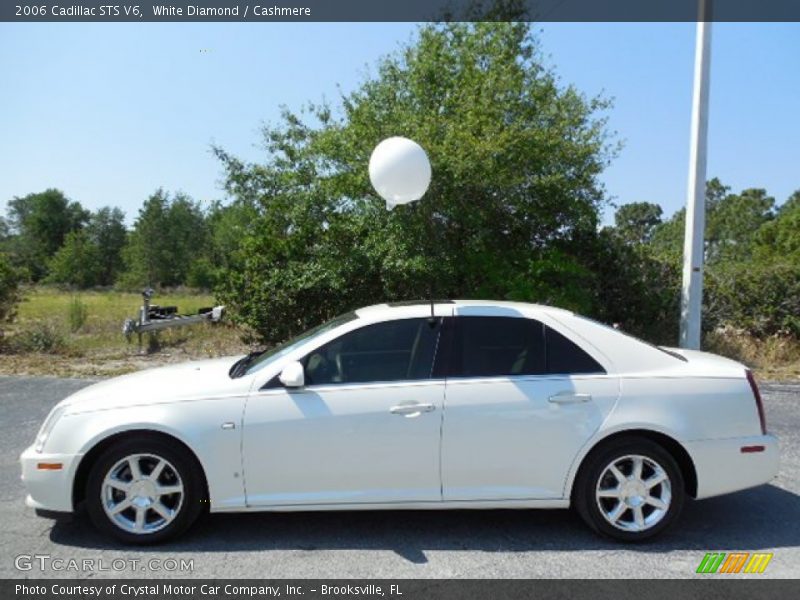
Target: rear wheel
column 144, row 491
column 630, row 490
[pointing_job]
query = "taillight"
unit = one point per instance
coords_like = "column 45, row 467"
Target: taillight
column 759, row 404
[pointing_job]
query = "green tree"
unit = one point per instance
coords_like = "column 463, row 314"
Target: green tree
column 106, row 229
column 78, row 263
column 635, row 222
column 779, row 238
column 41, row 223
column 168, row 236
column 515, row 158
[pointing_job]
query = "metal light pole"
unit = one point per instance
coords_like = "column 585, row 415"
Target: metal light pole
column 694, row 241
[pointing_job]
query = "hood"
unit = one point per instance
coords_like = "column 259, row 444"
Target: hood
column 173, row 383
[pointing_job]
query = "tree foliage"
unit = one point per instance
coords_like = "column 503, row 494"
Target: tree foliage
column 91, row 256
column 168, row 236
column 515, row 155
column 752, row 260
column 41, row 222
column 10, row 295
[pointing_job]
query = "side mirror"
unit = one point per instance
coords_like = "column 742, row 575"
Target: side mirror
column 293, row 375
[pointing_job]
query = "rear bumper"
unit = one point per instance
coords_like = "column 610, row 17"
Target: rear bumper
column 48, row 490
column 722, row 467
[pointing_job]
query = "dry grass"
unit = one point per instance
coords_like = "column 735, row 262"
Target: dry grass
column 41, row 341
column 772, row 358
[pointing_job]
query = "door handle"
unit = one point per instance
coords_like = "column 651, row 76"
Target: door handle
column 411, row 410
column 569, row 398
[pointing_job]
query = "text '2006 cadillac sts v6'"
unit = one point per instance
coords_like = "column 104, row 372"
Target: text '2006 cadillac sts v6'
column 460, row 404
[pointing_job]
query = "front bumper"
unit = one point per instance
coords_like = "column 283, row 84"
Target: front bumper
column 49, row 490
column 722, row 467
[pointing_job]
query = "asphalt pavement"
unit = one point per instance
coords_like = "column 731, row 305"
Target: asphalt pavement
column 396, row 544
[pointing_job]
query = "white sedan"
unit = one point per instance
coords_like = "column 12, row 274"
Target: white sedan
column 463, row 404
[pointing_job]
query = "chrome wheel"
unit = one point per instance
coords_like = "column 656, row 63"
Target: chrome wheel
column 633, row 493
column 142, row 493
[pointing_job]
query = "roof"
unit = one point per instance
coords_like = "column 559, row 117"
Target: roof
column 449, row 304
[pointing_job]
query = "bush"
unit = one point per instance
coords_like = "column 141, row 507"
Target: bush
column 9, row 291
column 42, row 336
column 77, row 314
column 762, row 299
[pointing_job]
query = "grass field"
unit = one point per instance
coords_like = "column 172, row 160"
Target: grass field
column 45, row 339
column 80, row 334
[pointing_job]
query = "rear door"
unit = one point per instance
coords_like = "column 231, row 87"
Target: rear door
column 521, row 400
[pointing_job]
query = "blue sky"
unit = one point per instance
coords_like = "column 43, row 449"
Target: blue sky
column 110, row 112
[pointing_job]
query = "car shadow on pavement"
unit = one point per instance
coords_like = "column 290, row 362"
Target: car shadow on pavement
column 765, row 517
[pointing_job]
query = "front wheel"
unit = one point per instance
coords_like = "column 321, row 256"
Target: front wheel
column 630, row 490
column 144, row 491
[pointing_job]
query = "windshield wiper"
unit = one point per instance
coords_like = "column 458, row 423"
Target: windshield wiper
column 240, row 366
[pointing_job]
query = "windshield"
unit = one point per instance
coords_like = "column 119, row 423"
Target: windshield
column 273, row 354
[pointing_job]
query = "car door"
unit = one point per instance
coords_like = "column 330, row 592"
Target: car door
column 521, row 400
column 364, row 429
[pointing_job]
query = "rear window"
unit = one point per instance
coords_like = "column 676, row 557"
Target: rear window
column 564, row 356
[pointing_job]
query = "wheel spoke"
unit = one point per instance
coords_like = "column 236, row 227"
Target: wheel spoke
column 615, row 514
column 117, row 484
column 133, row 465
column 162, row 510
column 118, row 508
column 164, row 490
column 140, row 515
column 609, row 493
column 655, row 479
column 617, row 473
column 638, row 517
column 638, row 463
column 156, row 472
column 657, row 502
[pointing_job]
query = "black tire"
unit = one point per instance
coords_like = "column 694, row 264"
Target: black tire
column 186, row 507
column 588, row 481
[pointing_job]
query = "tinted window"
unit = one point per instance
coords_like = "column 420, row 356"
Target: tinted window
column 564, row 356
column 391, row 351
column 487, row 346
column 268, row 356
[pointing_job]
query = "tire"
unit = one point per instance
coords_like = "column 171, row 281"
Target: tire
column 134, row 507
column 619, row 505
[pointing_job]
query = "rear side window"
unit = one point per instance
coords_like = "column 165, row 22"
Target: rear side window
column 505, row 346
column 564, row 356
column 492, row 346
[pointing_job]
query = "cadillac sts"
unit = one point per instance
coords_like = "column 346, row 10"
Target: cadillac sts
column 457, row 404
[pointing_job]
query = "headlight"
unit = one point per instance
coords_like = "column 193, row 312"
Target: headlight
column 47, row 427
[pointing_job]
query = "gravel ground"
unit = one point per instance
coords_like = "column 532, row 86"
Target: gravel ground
column 440, row 544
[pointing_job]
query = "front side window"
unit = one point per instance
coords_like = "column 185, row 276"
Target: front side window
column 382, row 352
column 268, row 357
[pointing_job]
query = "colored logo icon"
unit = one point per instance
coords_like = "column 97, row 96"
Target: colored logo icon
column 734, row 562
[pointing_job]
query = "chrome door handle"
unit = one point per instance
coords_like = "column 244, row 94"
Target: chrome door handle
column 411, row 410
column 569, row 398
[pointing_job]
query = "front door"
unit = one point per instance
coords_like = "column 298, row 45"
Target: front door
column 365, row 429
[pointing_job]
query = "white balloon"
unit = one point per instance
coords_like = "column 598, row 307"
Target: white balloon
column 399, row 171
